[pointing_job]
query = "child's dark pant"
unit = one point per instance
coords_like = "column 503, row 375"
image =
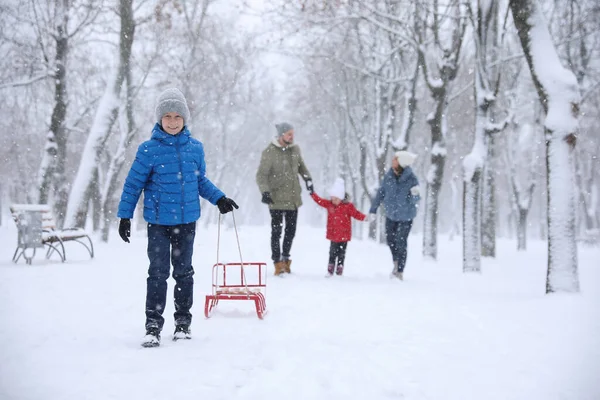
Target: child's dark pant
column 277, row 217
column 337, row 250
column 397, row 237
column 170, row 245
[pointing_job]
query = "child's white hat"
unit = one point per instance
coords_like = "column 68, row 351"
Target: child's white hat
column 405, row 158
column 338, row 189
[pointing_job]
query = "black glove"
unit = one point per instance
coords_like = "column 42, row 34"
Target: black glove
column 309, row 186
column 225, row 205
column 266, row 198
column 125, row 229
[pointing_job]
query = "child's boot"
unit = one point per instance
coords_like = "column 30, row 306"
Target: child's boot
column 339, row 270
column 330, row 269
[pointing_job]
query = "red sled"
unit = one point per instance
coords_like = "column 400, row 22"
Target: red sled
column 238, row 281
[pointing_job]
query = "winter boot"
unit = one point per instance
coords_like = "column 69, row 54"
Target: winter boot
column 339, row 270
column 330, row 269
column 400, row 276
column 152, row 338
column 287, row 263
column 394, row 273
column 279, row 268
column 182, row 332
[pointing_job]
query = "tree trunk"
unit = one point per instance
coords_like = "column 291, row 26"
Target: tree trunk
column 587, row 192
column 522, row 229
column 410, row 108
column 447, row 68
column 52, row 169
column 558, row 92
column 479, row 214
column 488, row 203
column 471, row 223
column 473, row 165
column 96, row 201
column 435, row 174
column 105, row 117
column 455, row 229
column 128, row 132
column 127, row 127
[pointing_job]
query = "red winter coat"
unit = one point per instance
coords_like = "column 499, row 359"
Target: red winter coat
column 339, row 224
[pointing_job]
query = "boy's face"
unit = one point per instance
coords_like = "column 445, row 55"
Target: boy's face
column 172, row 123
column 336, row 200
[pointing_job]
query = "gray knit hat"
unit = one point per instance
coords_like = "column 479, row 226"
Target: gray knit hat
column 172, row 100
column 283, row 128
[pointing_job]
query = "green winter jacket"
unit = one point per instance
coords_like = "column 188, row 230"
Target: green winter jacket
column 278, row 174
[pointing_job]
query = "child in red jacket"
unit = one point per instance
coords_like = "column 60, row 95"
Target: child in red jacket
column 339, row 224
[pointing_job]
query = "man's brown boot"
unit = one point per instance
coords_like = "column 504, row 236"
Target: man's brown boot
column 286, row 266
column 279, row 267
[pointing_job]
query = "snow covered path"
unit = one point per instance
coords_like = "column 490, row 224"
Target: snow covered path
column 72, row 331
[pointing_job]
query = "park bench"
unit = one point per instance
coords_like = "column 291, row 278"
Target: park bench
column 37, row 229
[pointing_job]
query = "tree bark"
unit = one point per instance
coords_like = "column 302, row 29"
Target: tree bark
column 558, row 93
column 447, row 68
column 522, row 229
column 471, row 225
column 127, row 128
column 435, row 175
column 488, row 203
column 52, row 169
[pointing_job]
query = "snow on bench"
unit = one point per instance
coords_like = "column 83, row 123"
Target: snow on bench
column 37, row 229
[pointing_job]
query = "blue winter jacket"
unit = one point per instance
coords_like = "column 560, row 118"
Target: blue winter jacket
column 170, row 169
column 394, row 192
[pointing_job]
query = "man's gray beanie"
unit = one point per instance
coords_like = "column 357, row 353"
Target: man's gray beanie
column 283, row 128
column 172, row 100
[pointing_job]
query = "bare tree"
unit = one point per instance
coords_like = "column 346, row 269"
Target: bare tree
column 55, row 24
column 559, row 95
column 52, row 167
column 579, row 50
column 479, row 188
column 87, row 179
column 378, row 69
column 440, row 62
column 127, row 124
column 522, row 166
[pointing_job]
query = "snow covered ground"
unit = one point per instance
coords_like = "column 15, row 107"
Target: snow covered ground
column 73, row 330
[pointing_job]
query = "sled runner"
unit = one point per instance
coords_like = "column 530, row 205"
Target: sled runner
column 237, row 281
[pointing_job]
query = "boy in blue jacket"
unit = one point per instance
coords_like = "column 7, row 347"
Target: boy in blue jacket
column 170, row 170
column 399, row 192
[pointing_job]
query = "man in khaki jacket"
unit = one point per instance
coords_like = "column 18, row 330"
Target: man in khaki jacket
column 277, row 180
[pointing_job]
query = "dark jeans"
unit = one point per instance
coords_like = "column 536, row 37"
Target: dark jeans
column 337, row 250
column 397, row 236
column 170, row 245
column 277, row 218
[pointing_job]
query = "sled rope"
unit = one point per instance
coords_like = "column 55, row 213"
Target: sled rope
column 237, row 238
